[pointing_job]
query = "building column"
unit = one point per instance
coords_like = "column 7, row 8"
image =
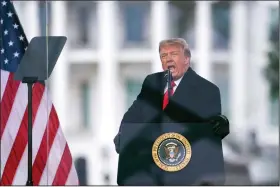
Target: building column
column 20, row 8
column 159, row 23
column 31, row 22
column 203, row 38
column 260, row 116
column 60, row 77
column 106, row 84
column 238, row 67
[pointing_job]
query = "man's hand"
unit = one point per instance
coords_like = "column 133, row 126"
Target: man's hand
column 220, row 126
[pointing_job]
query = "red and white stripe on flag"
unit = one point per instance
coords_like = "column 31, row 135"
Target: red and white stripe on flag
column 52, row 161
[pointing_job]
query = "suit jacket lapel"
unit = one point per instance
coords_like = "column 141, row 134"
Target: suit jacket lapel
column 184, row 100
column 184, row 88
column 161, row 88
column 158, row 84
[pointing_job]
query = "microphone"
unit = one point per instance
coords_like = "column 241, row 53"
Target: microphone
column 169, row 78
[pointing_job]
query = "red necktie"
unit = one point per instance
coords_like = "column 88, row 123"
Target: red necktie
column 165, row 98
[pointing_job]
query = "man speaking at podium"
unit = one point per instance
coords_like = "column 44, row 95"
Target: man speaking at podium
column 192, row 98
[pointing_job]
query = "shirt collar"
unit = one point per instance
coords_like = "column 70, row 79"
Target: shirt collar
column 177, row 82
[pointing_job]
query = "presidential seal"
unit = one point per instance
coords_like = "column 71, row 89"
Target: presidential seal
column 171, row 152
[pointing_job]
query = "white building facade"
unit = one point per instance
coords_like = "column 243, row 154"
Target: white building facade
column 113, row 45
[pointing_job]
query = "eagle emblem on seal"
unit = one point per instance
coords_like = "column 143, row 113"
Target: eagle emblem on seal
column 172, row 152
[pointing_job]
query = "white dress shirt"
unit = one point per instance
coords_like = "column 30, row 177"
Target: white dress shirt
column 177, row 82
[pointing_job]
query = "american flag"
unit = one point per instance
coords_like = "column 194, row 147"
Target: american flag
column 52, row 161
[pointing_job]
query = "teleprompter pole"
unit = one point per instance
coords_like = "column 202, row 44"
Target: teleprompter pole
column 29, row 81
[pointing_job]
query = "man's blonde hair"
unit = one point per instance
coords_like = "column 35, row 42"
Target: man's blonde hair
column 182, row 42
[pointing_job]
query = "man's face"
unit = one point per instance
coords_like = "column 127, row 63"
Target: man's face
column 172, row 56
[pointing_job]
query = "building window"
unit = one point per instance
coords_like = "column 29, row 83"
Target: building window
column 274, row 24
column 85, row 101
column 45, row 17
column 81, row 168
column 182, row 20
column 274, row 111
column 274, row 38
column 136, row 24
column 221, row 79
column 82, row 21
column 133, row 88
column 221, row 25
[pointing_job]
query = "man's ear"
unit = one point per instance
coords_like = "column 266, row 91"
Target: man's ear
column 187, row 59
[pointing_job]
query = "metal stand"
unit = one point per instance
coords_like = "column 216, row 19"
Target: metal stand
column 169, row 80
column 29, row 81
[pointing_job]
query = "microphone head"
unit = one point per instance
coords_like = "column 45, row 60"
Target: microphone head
column 168, row 75
column 169, row 69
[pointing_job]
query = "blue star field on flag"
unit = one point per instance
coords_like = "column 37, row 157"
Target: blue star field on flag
column 13, row 41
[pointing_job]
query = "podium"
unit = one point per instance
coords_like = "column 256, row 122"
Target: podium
column 178, row 154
